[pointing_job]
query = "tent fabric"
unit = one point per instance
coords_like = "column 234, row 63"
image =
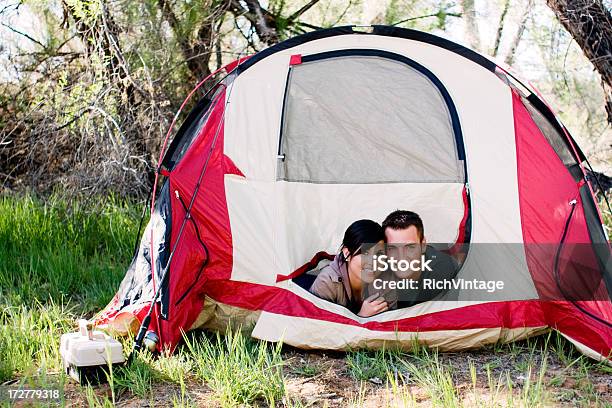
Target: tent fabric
column 313, row 334
column 351, row 100
column 278, row 226
column 238, row 220
column 556, row 140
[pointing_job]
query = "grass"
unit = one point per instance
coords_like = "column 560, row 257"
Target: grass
column 62, row 252
column 58, row 262
column 370, row 365
column 238, row 369
column 61, row 261
column 435, row 378
column 307, row 370
column 29, row 338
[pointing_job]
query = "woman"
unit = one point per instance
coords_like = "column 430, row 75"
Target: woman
column 345, row 279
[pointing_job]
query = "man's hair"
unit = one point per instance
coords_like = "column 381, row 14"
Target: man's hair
column 402, row 219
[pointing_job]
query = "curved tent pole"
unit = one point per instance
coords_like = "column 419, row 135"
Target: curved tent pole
column 157, row 291
column 572, row 204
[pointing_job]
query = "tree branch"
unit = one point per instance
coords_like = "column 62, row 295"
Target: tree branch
column 519, row 34
column 24, row 34
column 500, row 28
column 471, row 23
column 590, row 24
column 301, row 11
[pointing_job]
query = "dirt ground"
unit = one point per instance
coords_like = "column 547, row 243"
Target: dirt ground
column 324, row 379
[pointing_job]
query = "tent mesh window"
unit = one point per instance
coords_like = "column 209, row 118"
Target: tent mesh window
column 365, row 119
column 557, row 141
column 190, row 129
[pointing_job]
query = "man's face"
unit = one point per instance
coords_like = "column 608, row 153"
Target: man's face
column 404, row 243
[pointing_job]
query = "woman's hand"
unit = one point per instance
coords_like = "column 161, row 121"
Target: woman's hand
column 373, row 305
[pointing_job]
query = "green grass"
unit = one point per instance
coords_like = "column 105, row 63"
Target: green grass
column 370, row 365
column 60, row 261
column 238, row 369
column 62, row 252
column 29, row 338
column 307, row 370
column 435, row 378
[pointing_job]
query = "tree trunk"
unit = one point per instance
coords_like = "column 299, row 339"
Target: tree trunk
column 590, row 24
column 500, row 28
column 268, row 25
column 519, row 34
column 471, row 24
column 197, row 53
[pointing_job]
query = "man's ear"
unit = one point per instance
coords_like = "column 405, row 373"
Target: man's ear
column 423, row 245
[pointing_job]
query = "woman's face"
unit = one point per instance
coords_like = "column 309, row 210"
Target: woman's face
column 360, row 266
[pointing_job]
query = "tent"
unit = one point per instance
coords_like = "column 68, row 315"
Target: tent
column 297, row 141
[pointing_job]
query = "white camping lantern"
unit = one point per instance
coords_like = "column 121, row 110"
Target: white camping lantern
column 87, row 354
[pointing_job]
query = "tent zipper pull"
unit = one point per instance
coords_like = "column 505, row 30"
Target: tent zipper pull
column 178, row 197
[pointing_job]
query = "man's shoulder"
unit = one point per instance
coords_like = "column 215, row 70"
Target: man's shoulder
column 438, row 256
column 441, row 262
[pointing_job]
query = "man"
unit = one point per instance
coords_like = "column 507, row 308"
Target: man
column 405, row 239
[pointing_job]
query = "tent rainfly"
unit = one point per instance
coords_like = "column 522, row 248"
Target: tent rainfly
column 295, row 142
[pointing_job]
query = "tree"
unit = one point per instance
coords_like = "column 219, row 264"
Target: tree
column 196, row 51
column 500, row 28
column 519, row 34
column 590, row 24
column 269, row 24
column 471, row 24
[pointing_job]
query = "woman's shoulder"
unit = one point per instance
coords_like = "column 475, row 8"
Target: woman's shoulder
column 330, row 273
column 328, row 283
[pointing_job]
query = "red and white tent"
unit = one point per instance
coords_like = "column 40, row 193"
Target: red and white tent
column 305, row 137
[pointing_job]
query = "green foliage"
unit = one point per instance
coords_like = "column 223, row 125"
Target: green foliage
column 86, row 10
column 138, row 377
column 425, row 15
column 366, row 365
column 307, row 370
column 29, row 337
column 95, row 401
column 240, row 370
column 393, row 14
column 64, row 252
column 53, row 255
column 435, row 378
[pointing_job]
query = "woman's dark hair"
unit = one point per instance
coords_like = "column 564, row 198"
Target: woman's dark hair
column 362, row 232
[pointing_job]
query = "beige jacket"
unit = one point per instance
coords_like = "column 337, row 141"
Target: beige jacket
column 333, row 284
